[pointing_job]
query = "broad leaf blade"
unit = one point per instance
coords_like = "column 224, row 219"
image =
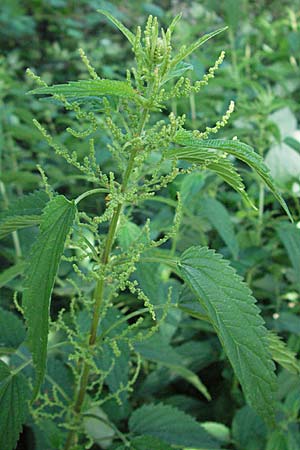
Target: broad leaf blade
column 238, row 149
column 235, row 317
column 40, row 273
column 171, row 425
column 22, row 213
column 12, row 272
column 12, row 330
column 14, row 395
column 90, row 88
column 28, row 205
column 14, row 223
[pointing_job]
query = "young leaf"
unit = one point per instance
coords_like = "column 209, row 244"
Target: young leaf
column 14, row 395
column 12, row 331
column 289, row 234
column 218, row 216
column 238, row 149
column 127, row 33
column 184, row 52
column 40, row 273
column 24, row 212
column 171, row 425
column 90, row 88
column 235, row 317
column 282, row 354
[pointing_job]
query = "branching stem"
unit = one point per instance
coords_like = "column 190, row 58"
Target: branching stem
column 99, row 290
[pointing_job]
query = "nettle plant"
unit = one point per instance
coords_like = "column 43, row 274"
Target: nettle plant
column 98, row 343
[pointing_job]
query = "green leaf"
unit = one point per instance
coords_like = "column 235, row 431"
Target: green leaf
column 154, row 349
column 14, row 395
column 171, row 425
column 289, row 234
column 218, row 430
column 235, row 317
column 218, row 216
column 90, row 88
column 128, row 233
column 40, row 273
column 216, row 163
column 238, row 149
column 282, row 354
column 226, row 170
column 22, row 213
column 177, row 71
column 12, row 272
column 12, row 330
column 17, row 222
column 146, row 443
column 127, row 33
column 249, row 431
column 293, row 143
column 184, row 52
column 96, row 426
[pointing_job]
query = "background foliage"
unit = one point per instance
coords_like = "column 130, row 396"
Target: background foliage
column 261, row 74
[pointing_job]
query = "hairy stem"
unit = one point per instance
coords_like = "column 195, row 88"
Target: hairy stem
column 99, row 290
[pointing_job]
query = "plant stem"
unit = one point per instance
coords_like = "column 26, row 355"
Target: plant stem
column 88, row 193
column 99, row 290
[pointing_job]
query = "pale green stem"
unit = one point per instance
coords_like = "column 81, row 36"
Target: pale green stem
column 88, row 193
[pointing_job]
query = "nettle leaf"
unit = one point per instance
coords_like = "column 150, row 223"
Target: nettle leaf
column 289, row 234
column 248, row 430
column 238, row 149
column 185, row 51
column 282, row 354
column 171, row 425
column 11, row 272
column 235, row 317
column 14, row 396
column 127, row 33
column 22, row 213
column 215, row 162
column 40, row 273
column 226, row 170
column 219, row 217
column 90, row 88
column 12, row 330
